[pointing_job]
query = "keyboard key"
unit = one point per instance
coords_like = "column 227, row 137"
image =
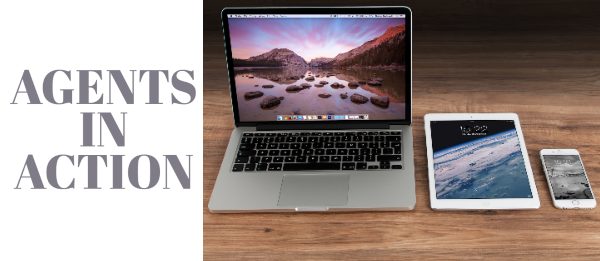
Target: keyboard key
column 272, row 146
column 302, row 139
column 285, row 152
column 273, row 153
column 301, row 159
column 351, row 145
column 263, row 152
column 348, row 166
column 262, row 166
column 295, row 146
column 271, row 134
column 259, row 134
column 353, row 152
column 290, row 159
column 359, row 158
column 309, row 152
column 311, row 166
column 329, row 145
column 384, row 133
column 347, row 158
column 370, row 158
column 373, row 167
column 257, row 140
column 340, row 145
column 268, row 140
column 395, row 133
column 374, row 145
column 379, row 138
column 318, row 145
column 342, row 152
column 261, row 146
column 279, row 139
column 347, row 138
column 362, row 133
column 246, row 153
column 304, row 134
column 362, row 145
column 296, row 152
column 248, row 134
column 357, row 138
column 384, row 166
column 313, row 139
column 306, row 146
column 247, row 146
column 396, row 166
column 361, row 165
column 266, row 159
column 336, row 158
column 275, row 166
column 250, row 167
column 282, row 134
column 316, row 134
column 327, row 133
column 278, row 159
column 290, row 139
column 241, row 160
column 369, row 138
column 324, row 158
column 246, row 140
column 238, row 167
column 388, row 151
column 319, row 152
column 284, row 146
column 330, row 152
column 350, row 133
column 397, row 150
column 376, row 151
column 254, row 159
column 313, row 158
column 339, row 134
column 392, row 138
column 336, row 139
column 389, row 158
column 371, row 133
column 365, row 151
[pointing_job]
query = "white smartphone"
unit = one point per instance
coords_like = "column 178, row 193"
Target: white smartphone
column 567, row 179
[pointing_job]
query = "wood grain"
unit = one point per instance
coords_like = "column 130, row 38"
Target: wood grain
column 550, row 78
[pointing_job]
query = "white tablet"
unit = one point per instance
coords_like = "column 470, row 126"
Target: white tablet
column 478, row 161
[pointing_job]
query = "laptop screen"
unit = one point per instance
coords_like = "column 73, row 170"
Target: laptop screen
column 327, row 67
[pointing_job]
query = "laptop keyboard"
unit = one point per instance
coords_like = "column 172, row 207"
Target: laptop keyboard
column 344, row 150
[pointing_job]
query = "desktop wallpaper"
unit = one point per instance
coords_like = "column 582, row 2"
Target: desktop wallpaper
column 319, row 66
column 478, row 159
column 567, row 177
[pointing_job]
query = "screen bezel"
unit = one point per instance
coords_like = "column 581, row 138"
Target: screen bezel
column 476, row 204
column 320, row 10
column 566, row 203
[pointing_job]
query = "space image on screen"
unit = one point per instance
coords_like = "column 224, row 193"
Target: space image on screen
column 319, row 67
column 478, row 160
column 567, row 177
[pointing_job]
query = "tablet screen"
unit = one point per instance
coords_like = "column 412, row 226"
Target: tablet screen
column 478, row 160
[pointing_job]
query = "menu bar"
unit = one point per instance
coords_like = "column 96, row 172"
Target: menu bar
column 322, row 117
column 316, row 16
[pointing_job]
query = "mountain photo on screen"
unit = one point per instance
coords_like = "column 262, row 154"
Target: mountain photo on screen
column 319, row 66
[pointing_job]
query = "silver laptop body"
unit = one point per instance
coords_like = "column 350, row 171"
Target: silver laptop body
column 343, row 160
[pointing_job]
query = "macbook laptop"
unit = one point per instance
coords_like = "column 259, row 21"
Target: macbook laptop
column 322, row 107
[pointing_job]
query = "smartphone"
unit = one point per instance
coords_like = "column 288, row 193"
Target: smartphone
column 567, row 179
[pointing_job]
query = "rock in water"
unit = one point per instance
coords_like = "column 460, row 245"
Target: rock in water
column 319, row 85
column 324, row 95
column 374, row 83
column 268, row 86
column 252, row 95
column 344, row 95
column 352, row 84
column 270, row 101
column 281, row 98
column 379, row 79
column 292, row 88
column 305, row 85
column 323, row 82
column 274, row 79
column 310, row 78
column 358, row 98
column 382, row 101
column 256, row 85
column 335, row 84
column 250, row 77
column 362, row 81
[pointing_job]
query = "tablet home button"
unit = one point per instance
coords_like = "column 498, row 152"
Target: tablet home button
column 485, row 203
column 575, row 202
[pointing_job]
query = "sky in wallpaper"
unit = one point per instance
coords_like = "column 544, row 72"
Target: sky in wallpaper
column 308, row 37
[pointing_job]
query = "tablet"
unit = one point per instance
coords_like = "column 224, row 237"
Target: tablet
column 478, row 161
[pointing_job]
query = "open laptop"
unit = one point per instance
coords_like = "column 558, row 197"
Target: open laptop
column 322, row 107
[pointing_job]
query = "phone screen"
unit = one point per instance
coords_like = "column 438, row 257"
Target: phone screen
column 567, row 177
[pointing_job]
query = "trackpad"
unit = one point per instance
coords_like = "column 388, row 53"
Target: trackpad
column 311, row 190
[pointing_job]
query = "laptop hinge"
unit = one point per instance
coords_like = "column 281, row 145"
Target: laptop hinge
column 362, row 125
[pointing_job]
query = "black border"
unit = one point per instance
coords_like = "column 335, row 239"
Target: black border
column 320, row 10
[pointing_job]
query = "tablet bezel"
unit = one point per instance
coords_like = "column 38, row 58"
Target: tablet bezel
column 478, row 204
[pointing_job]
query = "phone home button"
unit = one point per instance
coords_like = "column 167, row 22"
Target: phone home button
column 575, row 202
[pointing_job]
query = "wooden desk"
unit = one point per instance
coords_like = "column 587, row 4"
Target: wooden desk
column 550, row 79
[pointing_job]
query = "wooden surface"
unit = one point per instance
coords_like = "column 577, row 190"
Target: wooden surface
column 550, row 78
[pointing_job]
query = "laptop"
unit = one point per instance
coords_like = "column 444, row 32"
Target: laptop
column 322, row 107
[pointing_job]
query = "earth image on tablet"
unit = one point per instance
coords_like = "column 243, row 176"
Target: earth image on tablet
column 489, row 167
